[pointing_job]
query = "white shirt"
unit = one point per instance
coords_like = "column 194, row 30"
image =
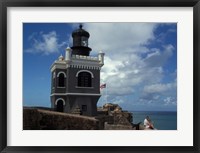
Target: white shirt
column 146, row 123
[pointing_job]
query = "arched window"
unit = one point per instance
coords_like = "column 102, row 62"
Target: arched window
column 61, row 79
column 60, row 105
column 84, row 79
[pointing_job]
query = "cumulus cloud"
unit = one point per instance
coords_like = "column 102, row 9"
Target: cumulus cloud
column 120, row 37
column 159, row 88
column 123, row 45
column 170, row 101
column 131, row 66
column 45, row 43
column 160, row 93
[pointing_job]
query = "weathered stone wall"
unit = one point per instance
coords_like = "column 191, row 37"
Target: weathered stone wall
column 115, row 118
column 123, row 118
column 40, row 119
column 104, row 118
column 117, row 127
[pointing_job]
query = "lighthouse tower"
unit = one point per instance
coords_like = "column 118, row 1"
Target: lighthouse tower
column 75, row 78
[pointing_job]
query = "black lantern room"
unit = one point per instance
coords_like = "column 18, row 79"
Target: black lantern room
column 80, row 42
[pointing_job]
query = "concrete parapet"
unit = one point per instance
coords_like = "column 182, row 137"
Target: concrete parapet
column 39, row 119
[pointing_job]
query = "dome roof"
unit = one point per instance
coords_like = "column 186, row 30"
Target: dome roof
column 61, row 58
column 80, row 32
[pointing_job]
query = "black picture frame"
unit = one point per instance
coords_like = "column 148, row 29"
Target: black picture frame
column 4, row 4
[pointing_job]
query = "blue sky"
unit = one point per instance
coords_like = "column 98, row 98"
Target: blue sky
column 140, row 62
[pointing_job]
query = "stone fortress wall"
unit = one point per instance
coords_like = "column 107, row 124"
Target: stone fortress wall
column 110, row 117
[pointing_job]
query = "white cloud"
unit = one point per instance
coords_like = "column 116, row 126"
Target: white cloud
column 44, row 43
column 170, row 101
column 159, row 88
column 124, row 44
column 130, row 66
column 115, row 38
column 160, row 93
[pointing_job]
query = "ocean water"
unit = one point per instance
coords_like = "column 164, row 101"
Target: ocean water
column 161, row 120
